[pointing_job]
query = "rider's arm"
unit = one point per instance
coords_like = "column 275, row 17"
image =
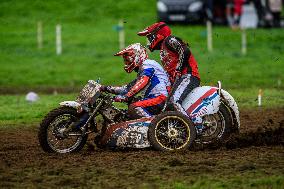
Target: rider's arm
column 142, row 81
column 119, row 90
column 115, row 89
column 182, row 50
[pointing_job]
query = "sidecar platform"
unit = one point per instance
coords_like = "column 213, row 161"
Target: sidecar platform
column 129, row 134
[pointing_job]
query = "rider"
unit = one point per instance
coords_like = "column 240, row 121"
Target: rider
column 178, row 61
column 151, row 79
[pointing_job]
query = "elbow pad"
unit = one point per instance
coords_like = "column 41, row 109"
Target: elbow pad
column 139, row 85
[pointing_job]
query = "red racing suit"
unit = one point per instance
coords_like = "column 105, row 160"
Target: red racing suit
column 182, row 68
column 176, row 56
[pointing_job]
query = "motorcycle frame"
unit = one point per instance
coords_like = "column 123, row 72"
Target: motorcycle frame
column 80, row 108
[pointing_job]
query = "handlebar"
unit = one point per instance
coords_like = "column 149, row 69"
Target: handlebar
column 128, row 100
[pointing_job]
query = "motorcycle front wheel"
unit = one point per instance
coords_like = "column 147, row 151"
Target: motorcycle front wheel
column 171, row 131
column 56, row 135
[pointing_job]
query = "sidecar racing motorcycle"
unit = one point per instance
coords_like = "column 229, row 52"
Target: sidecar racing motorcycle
column 66, row 128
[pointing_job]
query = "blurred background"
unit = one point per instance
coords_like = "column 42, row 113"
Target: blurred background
column 258, row 13
column 49, row 49
column 56, row 46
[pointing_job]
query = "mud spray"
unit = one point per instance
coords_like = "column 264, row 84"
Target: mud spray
column 262, row 137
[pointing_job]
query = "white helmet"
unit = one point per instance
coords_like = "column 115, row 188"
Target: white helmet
column 134, row 55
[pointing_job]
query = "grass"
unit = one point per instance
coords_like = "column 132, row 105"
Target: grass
column 15, row 110
column 89, row 42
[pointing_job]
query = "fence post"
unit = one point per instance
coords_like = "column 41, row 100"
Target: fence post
column 58, row 40
column 259, row 97
column 121, row 34
column 39, row 35
column 209, row 36
column 244, row 42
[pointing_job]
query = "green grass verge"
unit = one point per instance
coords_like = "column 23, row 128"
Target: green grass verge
column 15, row 110
column 89, row 42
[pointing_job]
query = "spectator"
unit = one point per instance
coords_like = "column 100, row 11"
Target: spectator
column 234, row 12
column 275, row 7
column 260, row 8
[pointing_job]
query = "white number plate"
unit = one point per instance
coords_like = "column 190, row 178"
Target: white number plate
column 177, row 17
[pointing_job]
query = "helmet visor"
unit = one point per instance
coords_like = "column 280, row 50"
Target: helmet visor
column 128, row 60
column 129, row 64
column 150, row 38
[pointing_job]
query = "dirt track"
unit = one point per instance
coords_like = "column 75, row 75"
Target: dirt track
column 257, row 152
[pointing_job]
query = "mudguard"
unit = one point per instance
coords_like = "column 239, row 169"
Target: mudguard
column 202, row 101
column 72, row 104
column 230, row 101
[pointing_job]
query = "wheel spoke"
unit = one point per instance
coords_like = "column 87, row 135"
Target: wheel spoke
column 216, row 126
column 161, row 133
column 64, row 143
column 172, row 133
column 55, row 144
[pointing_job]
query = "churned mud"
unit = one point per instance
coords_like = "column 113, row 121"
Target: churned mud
column 258, row 149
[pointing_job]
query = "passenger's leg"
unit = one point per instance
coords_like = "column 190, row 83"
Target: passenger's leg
column 186, row 85
column 181, row 91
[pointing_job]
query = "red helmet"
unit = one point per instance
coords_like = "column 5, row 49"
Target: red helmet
column 134, row 55
column 155, row 34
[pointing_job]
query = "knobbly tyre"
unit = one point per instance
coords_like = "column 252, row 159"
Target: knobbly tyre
column 66, row 128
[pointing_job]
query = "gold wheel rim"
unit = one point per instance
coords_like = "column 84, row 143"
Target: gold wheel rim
column 178, row 120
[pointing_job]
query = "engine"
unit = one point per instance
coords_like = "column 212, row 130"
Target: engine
column 111, row 114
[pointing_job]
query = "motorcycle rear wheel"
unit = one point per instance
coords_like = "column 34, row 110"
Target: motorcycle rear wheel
column 50, row 134
column 171, row 131
column 219, row 127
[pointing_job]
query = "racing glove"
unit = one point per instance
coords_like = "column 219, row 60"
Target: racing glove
column 120, row 98
column 105, row 88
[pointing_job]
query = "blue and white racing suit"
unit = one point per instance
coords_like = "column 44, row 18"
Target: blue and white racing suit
column 153, row 83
